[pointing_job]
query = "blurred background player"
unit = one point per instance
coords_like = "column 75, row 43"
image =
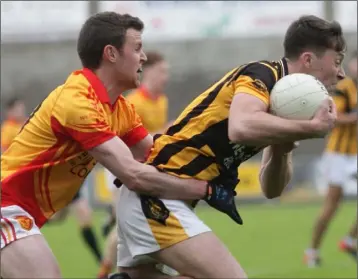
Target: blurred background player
column 340, row 163
column 150, row 100
column 151, row 104
column 109, row 231
column 15, row 117
column 82, row 212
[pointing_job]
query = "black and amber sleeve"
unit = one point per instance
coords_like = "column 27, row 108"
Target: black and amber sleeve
column 257, row 79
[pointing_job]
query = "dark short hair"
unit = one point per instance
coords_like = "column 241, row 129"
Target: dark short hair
column 314, row 34
column 153, row 58
column 101, row 29
column 13, row 102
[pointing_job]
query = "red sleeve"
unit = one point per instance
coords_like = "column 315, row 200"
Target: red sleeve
column 136, row 131
column 90, row 140
column 135, row 135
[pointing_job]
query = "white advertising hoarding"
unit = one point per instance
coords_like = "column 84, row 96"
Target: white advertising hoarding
column 41, row 20
column 167, row 20
column 171, row 20
column 346, row 15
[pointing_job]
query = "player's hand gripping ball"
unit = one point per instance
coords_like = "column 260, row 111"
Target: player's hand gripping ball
column 297, row 96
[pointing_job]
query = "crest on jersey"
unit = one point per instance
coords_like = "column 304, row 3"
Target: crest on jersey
column 25, row 222
column 259, row 85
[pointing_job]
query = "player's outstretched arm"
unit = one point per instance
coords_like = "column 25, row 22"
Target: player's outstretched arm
column 117, row 157
column 251, row 124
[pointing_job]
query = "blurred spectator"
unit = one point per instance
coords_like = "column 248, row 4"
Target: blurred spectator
column 150, row 100
column 15, row 117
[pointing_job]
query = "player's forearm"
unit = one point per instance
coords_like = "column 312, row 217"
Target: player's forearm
column 347, row 118
column 276, row 173
column 115, row 156
column 145, row 179
column 263, row 129
column 158, row 184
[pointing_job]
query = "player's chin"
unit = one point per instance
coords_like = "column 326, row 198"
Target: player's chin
column 331, row 89
column 137, row 79
column 136, row 83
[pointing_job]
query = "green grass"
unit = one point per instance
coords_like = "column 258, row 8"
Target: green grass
column 269, row 245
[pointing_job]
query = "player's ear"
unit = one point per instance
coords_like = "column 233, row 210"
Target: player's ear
column 307, row 59
column 110, row 53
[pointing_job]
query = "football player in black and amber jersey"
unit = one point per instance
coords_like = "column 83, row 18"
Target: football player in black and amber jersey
column 224, row 126
column 340, row 164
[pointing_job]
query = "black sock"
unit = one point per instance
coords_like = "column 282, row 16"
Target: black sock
column 108, row 225
column 90, row 238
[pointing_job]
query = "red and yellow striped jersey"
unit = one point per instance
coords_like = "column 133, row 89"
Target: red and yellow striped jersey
column 47, row 162
column 153, row 111
column 343, row 138
column 9, row 129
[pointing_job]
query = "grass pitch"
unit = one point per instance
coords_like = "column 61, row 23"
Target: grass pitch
column 270, row 244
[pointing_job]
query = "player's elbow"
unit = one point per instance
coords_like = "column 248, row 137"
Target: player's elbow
column 240, row 133
column 269, row 192
column 273, row 190
column 271, row 195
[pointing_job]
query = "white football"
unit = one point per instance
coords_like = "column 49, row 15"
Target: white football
column 297, row 96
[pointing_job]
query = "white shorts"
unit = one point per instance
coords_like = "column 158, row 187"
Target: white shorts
column 147, row 225
column 16, row 223
column 338, row 169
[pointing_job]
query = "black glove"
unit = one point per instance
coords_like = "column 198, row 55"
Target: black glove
column 118, row 183
column 223, row 199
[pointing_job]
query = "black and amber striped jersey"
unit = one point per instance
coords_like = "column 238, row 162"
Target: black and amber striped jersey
column 197, row 144
column 343, row 138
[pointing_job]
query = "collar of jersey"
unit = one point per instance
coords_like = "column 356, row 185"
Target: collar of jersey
column 97, row 85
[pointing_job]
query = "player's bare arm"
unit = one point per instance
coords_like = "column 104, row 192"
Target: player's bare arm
column 117, row 157
column 141, row 150
column 251, row 124
column 276, row 169
column 347, row 118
